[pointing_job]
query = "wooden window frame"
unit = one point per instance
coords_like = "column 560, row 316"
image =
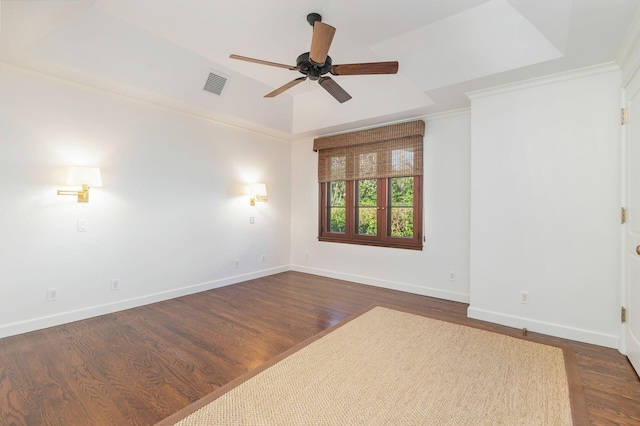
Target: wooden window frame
column 382, row 239
column 371, row 154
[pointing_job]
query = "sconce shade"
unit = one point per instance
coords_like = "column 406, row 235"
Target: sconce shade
column 89, row 176
column 259, row 190
column 258, row 193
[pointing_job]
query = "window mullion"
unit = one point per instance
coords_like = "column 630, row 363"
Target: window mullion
column 382, row 208
column 323, row 208
column 350, row 209
column 417, row 210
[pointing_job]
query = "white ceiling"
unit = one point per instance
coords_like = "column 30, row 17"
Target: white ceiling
column 163, row 51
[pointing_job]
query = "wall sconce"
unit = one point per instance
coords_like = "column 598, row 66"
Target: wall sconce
column 258, row 193
column 85, row 177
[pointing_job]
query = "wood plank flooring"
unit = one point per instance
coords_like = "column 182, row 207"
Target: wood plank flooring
column 141, row 365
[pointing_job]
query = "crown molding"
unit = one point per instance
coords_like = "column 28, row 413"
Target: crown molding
column 543, row 81
column 448, row 114
column 629, row 43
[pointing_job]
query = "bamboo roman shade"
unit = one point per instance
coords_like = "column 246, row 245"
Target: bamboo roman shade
column 383, row 152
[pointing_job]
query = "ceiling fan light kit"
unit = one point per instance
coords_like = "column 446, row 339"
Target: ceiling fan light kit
column 315, row 63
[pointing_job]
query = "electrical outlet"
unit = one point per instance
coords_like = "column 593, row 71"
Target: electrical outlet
column 52, row 294
column 452, row 276
column 264, row 258
column 524, row 297
column 235, row 263
column 83, row 225
column 115, row 284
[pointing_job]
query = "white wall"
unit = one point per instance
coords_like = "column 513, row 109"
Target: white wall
column 520, row 195
column 171, row 218
column 545, row 207
column 446, row 214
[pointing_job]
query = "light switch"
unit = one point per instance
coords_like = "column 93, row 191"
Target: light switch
column 83, row 225
column 252, row 220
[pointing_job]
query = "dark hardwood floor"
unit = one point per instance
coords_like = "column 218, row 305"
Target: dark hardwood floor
column 141, row 365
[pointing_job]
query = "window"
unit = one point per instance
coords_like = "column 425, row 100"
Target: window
column 383, row 212
column 371, row 186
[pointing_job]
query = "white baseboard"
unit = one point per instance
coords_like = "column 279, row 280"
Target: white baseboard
column 557, row 330
column 94, row 311
column 537, row 326
column 409, row 288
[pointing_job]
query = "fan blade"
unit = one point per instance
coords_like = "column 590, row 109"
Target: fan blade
column 320, row 43
column 367, row 68
column 287, row 86
column 334, row 89
column 259, row 61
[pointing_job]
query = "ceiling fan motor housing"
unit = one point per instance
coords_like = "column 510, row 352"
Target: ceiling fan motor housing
column 311, row 70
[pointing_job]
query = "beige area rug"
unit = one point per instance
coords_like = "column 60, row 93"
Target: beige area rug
column 386, row 367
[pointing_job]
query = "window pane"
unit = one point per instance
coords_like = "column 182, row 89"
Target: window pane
column 336, row 206
column 401, row 207
column 366, row 207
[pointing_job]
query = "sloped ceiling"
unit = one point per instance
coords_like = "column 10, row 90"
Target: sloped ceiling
column 163, row 51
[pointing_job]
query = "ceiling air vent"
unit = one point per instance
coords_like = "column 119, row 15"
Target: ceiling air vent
column 216, row 82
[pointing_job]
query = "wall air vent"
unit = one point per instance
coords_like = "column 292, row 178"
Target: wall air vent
column 216, row 82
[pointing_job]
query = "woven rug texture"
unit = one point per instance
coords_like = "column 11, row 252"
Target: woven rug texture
column 387, row 367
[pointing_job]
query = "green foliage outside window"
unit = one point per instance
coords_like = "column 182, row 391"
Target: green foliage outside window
column 367, row 203
column 400, row 210
column 402, row 222
column 402, row 207
column 337, row 212
column 338, row 220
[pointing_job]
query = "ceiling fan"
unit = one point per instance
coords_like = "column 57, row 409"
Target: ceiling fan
column 315, row 63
